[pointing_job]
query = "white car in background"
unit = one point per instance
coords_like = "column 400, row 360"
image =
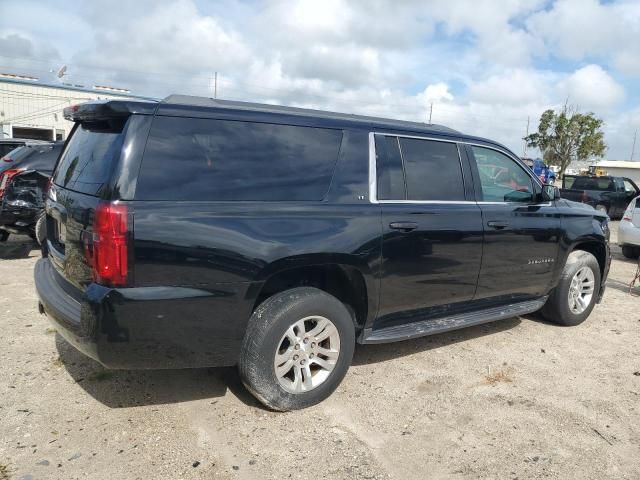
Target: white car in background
column 629, row 230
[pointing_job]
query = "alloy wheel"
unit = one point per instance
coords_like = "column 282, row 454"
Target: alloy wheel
column 307, row 354
column 581, row 290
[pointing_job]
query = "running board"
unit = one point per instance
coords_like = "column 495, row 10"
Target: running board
column 444, row 324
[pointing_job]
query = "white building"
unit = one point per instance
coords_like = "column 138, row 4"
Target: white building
column 32, row 109
column 622, row 168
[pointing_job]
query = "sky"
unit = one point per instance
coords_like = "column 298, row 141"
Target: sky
column 486, row 68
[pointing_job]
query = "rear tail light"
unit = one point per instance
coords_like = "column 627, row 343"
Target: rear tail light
column 110, row 250
column 584, row 198
column 628, row 214
column 5, row 178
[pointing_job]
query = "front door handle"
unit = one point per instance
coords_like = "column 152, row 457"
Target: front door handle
column 403, row 226
column 497, row 225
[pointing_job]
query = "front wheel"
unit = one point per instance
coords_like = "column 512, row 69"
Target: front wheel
column 573, row 299
column 297, row 348
column 4, row 235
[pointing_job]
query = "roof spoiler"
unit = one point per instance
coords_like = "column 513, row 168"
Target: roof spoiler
column 104, row 110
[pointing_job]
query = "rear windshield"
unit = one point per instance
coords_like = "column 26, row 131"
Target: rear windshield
column 7, row 147
column 589, row 183
column 219, row 160
column 13, row 157
column 88, row 160
column 33, row 157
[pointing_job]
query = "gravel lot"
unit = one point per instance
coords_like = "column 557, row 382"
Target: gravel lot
column 519, row 398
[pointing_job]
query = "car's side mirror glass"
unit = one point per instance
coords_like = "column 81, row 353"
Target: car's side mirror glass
column 550, row 193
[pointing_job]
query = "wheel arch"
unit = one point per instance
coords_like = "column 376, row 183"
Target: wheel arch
column 596, row 248
column 341, row 276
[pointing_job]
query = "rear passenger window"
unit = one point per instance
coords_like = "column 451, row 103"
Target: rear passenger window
column 389, row 169
column 432, row 170
column 202, row 159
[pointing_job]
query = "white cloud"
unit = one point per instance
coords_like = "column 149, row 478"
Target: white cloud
column 581, row 29
column 592, row 88
column 475, row 61
column 173, row 40
column 513, row 87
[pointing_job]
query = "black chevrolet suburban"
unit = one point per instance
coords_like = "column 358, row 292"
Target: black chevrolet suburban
column 196, row 232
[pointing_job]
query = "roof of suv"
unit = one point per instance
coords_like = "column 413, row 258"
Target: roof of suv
column 191, row 106
column 210, row 103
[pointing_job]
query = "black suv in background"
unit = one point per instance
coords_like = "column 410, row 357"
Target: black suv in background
column 9, row 144
column 24, row 176
column 195, row 232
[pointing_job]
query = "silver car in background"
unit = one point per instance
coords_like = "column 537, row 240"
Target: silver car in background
column 629, row 231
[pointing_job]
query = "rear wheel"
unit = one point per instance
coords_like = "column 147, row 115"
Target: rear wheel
column 631, row 252
column 573, row 299
column 297, row 348
column 4, row 235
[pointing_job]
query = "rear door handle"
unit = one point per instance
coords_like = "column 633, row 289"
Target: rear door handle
column 403, row 226
column 497, row 225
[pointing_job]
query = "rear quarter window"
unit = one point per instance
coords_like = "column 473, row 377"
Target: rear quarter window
column 41, row 158
column 221, row 160
column 87, row 161
column 5, row 148
column 590, row 183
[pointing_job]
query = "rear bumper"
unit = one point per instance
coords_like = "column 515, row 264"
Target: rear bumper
column 628, row 234
column 17, row 220
column 147, row 327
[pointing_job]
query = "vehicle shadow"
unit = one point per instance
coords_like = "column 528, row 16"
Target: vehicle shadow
column 12, row 250
column 618, row 285
column 134, row 388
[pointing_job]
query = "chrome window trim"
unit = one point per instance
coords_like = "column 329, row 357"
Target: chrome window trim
column 373, row 177
column 373, row 173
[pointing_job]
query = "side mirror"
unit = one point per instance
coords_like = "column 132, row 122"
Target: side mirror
column 550, row 193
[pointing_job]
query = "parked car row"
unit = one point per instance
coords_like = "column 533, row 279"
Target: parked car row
column 607, row 194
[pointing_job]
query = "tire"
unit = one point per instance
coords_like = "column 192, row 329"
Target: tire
column 602, row 208
column 4, row 235
column 268, row 332
column 631, row 252
column 41, row 229
column 559, row 307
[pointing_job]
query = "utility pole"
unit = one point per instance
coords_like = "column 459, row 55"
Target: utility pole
column 215, row 85
column 430, row 112
column 633, row 147
column 524, row 148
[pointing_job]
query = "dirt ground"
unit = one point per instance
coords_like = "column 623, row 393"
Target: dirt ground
column 519, row 398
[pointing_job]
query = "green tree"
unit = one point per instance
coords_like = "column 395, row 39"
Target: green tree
column 567, row 136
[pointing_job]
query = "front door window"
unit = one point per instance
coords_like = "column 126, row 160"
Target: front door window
column 501, row 178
